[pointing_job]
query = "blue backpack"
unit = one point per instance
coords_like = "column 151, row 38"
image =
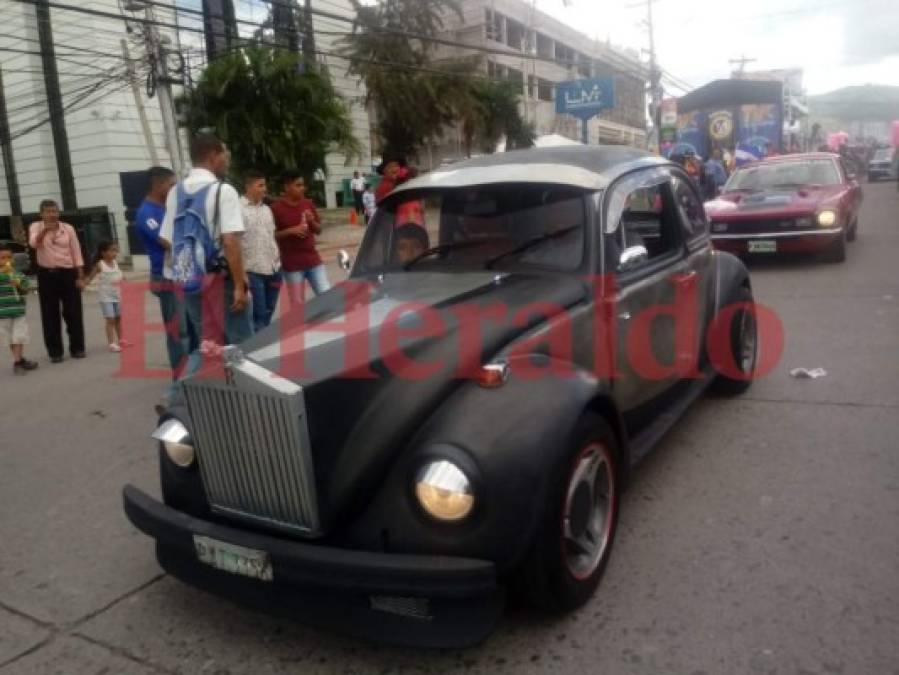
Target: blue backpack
column 194, row 245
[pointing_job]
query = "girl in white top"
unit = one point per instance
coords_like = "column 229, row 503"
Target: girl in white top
column 109, row 280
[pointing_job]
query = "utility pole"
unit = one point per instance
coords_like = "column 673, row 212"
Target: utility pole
column 139, row 104
column 54, row 105
column 308, row 35
column 742, row 61
column 655, row 75
column 163, row 88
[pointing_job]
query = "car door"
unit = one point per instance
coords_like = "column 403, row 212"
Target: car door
column 698, row 251
column 644, row 257
column 853, row 189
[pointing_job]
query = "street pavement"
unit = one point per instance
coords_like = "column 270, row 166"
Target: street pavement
column 760, row 537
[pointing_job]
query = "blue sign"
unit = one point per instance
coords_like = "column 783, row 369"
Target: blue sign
column 585, row 98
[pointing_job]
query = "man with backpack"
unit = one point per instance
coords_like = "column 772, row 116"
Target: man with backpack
column 203, row 226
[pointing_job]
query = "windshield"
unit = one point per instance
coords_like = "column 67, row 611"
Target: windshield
column 490, row 227
column 785, row 174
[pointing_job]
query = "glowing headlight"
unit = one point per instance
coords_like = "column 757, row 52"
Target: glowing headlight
column 827, row 218
column 444, row 491
column 176, row 440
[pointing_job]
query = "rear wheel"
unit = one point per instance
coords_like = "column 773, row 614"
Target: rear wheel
column 743, row 346
column 573, row 542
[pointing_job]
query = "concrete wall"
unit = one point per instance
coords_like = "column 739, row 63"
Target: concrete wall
column 353, row 92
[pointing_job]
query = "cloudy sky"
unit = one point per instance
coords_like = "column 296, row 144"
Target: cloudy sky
column 836, row 42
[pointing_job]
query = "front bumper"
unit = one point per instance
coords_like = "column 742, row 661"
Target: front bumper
column 413, row 600
column 803, row 241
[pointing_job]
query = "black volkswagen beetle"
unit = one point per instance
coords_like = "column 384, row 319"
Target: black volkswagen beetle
column 457, row 421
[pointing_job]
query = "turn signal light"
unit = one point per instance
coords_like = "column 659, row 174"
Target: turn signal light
column 493, row 375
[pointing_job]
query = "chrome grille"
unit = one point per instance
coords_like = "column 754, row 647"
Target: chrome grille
column 253, row 448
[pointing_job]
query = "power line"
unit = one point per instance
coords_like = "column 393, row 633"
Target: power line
column 85, row 50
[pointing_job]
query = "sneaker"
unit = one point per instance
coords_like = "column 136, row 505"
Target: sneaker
column 23, row 366
column 57, row 359
column 113, row 347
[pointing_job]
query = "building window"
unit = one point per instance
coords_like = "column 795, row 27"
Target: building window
column 514, row 34
column 544, row 90
column 545, row 47
column 494, row 24
column 517, row 77
column 532, row 87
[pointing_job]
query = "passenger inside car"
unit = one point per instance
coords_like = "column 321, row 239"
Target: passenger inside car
column 411, row 241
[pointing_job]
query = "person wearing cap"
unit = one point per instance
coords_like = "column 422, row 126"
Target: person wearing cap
column 392, row 171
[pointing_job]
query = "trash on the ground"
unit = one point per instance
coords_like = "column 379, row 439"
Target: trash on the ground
column 808, row 373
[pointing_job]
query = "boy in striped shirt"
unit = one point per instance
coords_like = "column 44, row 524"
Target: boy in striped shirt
column 13, row 325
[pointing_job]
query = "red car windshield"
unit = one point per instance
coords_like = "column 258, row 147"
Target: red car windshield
column 785, row 175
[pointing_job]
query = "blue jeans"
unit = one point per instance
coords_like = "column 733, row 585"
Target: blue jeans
column 180, row 340
column 316, row 276
column 265, row 289
column 205, row 319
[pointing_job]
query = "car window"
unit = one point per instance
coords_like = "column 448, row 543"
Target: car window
column 787, row 174
column 691, row 210
column 495, row 227
column 643, row 213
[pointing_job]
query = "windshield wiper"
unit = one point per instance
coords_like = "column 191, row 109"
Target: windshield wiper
column 530, row 243
column 443, row 248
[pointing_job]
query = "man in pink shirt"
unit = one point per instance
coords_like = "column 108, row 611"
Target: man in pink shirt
column 60, row 276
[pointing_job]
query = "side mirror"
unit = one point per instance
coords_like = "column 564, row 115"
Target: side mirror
column 344, row 261
column 632, row 257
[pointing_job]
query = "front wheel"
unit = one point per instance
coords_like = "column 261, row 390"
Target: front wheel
column 743, row 342
column 836, row 253
column 573, row 541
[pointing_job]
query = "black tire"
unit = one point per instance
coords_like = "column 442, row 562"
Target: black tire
column 740, row 322
column 545, row 579
column 852, row 234
column 836, row 253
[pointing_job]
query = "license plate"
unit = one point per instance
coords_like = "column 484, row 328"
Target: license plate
column 247, row 562
column 764, row 246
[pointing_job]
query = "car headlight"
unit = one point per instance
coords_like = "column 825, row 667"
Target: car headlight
column 444, row 491
column 827, row 218
column 176, row 440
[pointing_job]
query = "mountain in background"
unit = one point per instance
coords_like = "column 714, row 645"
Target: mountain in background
column 870, row 101
column 863, row 111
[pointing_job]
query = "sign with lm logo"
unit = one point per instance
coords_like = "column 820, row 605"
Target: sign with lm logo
column 585, row 98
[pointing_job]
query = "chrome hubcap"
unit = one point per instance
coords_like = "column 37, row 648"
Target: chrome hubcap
column 589, row 510
column 747, row 342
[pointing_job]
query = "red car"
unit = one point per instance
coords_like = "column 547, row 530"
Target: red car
column 791, row 203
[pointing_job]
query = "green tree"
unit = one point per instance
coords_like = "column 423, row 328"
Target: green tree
column 272, row 112
column 410, row 92
column 414, row 94
column 488, row 112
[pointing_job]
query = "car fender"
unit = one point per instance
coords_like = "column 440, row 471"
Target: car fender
column 730, row 273
column 508, row 439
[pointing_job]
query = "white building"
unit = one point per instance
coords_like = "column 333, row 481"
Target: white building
column 521, row 32
column 111, row 126
column 351, row 89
